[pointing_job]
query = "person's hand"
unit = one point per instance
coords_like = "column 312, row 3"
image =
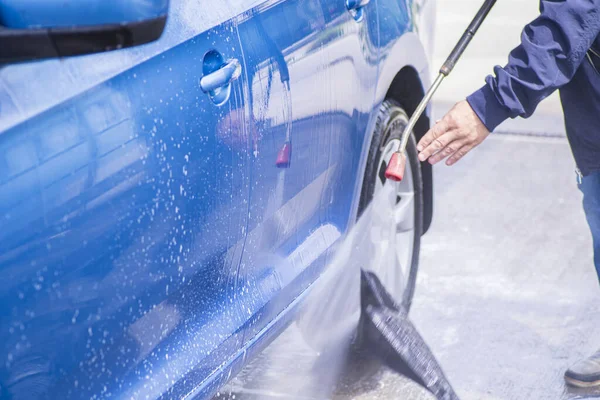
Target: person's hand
column 453, row 136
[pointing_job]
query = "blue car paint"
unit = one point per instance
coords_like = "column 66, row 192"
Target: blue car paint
column 149, row 245
column 297, row 213
column 28, row 14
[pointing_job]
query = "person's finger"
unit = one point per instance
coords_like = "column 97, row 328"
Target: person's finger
column 438, row 144
column 436, row 131
column 450, row 149
column 460, row 153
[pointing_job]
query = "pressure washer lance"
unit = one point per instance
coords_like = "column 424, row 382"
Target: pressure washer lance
column 397, row 165
column 390, row 334
column 284, row 155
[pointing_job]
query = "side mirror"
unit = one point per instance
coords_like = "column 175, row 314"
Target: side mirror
column 36, row 29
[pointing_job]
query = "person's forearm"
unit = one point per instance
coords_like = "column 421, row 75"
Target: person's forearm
column 552, row 48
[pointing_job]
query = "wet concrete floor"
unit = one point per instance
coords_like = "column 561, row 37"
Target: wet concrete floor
column 507, row 295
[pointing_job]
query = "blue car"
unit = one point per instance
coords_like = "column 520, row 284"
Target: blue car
column 178, row 180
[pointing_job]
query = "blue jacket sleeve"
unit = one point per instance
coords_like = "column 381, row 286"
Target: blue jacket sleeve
column 552, row 48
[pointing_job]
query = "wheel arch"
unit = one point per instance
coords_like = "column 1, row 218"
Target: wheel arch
column 404, row 74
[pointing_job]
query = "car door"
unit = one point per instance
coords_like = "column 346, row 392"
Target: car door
column 124, row 207
column 311, row 71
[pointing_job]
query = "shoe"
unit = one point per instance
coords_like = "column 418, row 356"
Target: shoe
column 586, row 373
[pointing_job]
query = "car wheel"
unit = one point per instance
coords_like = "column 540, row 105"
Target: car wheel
column 406, row 200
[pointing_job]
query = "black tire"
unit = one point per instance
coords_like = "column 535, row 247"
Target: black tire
column 390, row 123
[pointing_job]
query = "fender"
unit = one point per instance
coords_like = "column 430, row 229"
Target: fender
column 407, row 51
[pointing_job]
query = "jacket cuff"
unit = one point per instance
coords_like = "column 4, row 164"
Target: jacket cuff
column 487, row 107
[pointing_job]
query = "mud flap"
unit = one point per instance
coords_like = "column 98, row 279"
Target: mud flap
column 391, row 335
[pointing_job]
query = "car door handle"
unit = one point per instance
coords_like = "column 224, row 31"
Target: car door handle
column 356, row 8
column 356, row 4
column 222, row 77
